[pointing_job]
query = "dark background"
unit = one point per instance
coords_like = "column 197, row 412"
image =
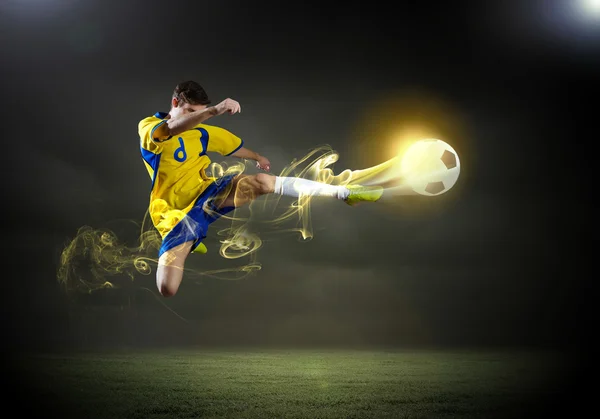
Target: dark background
column 500, row 260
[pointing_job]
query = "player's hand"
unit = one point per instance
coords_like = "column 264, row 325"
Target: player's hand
column 263, row 163
column 228, row 106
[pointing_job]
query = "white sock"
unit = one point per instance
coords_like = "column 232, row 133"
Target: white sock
column 292, row 186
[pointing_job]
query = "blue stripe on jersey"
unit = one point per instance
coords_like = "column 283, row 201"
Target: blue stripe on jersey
column 153, row 160
column 203, row 140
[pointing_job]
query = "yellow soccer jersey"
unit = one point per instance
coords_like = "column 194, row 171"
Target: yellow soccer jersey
column 177, row 166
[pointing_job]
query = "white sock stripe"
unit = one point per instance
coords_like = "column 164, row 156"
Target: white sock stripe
column 291, row 186
column 278, row 185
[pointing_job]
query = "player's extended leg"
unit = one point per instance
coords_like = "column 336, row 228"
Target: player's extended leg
column 169, row 272
column 249, row 187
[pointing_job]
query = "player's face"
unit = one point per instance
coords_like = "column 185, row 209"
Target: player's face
column 182, row 108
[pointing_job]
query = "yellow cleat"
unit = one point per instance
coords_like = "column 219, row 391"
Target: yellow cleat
column 201, row 248
column 360, row 193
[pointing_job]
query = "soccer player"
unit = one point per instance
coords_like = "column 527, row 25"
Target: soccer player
column 184, row 200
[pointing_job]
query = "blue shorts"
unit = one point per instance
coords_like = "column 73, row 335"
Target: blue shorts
column 194, row 225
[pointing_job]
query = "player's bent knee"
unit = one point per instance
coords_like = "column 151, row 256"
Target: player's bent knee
column 169, row 272
column 167, row 290
column 168, row 280
column 265, row 183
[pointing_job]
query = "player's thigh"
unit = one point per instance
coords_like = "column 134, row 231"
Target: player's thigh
column 245, row 188
column 240, row 185
column 169, row 273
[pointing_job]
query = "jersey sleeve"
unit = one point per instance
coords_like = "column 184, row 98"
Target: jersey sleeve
column 222, row 141
column 146, row 129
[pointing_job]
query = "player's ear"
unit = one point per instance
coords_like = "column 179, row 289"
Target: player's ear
column 174, row 102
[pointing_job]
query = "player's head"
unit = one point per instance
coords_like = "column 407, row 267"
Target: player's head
column 188, row 96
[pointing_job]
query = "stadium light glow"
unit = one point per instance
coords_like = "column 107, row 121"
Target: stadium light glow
column 591, row 6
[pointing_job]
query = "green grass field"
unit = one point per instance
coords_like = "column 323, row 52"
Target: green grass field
column 291, row 384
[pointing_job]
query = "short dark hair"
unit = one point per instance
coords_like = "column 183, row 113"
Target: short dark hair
column 191, row 92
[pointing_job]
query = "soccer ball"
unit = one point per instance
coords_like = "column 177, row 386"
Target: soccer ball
column 430, row 167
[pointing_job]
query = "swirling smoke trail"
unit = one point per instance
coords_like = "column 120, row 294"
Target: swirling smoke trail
column 94, row 255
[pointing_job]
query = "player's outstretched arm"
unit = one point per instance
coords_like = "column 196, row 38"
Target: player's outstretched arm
column 261, row 161
column 188, row 121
